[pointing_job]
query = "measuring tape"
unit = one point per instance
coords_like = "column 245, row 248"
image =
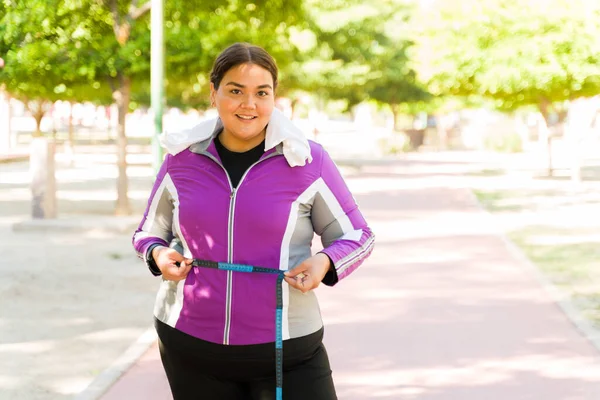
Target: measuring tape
column 278, row 311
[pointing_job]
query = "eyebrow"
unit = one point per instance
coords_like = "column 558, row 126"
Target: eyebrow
column 265, row 86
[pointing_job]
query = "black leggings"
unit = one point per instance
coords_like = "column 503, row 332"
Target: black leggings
column 200, row 370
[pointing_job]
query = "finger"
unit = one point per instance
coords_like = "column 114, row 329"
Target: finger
column 174, row 255
column 176, row 274
column 170, row 273
column 292, row 282
column 301, row 285
column 300, row 269
column 181, row 273
column 183, row 262
column 186, row 269
column 301, row 276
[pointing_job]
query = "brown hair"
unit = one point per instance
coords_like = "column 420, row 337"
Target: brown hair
column 242, row 53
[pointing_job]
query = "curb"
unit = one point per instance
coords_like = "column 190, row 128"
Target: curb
column 560, row 298
column 113, row 373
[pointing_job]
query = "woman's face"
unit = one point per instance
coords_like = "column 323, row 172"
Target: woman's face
column 245, row 101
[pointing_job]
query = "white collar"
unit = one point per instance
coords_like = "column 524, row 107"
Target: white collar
column 280, row 130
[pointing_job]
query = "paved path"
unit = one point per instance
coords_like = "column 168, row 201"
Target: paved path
column 71, row 300
column 443, row 310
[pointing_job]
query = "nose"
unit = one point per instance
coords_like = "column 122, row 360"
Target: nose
column 248, row 101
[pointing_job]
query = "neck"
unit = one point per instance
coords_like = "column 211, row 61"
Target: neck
column 234, row 144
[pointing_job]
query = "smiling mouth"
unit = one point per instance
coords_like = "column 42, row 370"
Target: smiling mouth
column 246, row 117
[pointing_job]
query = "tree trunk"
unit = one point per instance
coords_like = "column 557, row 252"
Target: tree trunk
column 71, row 127
column 109, row 118
column 12, row 139
column 70, row 145
column 37, row 111
column 5, row 111
column 43, row 181
column 442, row 132
column 544, row 134
column 41, row 164
column 121, row 96
column 395, row 113
column 293, row 106
column 38, row 123
column 53, row 117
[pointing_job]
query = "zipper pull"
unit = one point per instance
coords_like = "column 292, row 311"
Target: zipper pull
column 232, row 193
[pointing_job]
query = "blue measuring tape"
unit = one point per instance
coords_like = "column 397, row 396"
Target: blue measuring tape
column 278, row 311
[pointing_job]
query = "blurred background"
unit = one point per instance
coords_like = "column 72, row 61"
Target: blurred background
column 501, row 75
column 504, row 93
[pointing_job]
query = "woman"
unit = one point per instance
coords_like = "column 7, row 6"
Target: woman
column 250, row 190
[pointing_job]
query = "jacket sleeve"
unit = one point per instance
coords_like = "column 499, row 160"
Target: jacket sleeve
column 156, row 225
column 346, row 237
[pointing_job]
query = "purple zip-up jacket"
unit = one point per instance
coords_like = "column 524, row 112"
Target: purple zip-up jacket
column 268, row 221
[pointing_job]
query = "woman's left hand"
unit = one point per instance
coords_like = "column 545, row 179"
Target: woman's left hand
column 308, row 274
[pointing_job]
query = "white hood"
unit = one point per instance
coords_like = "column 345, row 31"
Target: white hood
column 280, row 129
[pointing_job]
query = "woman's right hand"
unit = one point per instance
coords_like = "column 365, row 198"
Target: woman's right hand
column 166, row 260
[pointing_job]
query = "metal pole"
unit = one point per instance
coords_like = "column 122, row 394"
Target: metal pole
column 157, row 77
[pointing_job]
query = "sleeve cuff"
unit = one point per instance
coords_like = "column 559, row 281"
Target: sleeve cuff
column 150, row 261
column 331, row 277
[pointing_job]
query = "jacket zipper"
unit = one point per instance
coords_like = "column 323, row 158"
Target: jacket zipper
column 229, row 260
column 230, row 222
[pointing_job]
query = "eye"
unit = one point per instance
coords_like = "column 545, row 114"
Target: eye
column 263, row 93
column 235, row 91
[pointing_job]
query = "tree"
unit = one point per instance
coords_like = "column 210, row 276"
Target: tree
column 32, row 51
column 514, row 52
column 357, row 52
column 197, row 32
column 395, row 82
column 194, row 40
column 340, row 42
column 106, row 43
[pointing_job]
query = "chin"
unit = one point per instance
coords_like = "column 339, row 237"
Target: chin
column 249, row 133
column 247, row 137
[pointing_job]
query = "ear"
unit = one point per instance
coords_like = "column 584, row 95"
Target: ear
column 213, row 93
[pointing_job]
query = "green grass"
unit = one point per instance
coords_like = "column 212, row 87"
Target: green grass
column 498, row 201
column 520, row 200
column 487, row 172
column 568, row 256
column 567, row 264
column 115, row 256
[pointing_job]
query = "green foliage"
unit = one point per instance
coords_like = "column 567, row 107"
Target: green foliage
column 32, row 50
column 82, row 50
column 514, row 52
column 359, row 54
column 195, row 38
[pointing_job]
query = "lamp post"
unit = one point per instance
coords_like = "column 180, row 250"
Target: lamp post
column 157, row 77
